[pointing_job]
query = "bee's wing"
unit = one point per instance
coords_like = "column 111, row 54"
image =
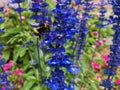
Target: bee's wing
column 34, row 25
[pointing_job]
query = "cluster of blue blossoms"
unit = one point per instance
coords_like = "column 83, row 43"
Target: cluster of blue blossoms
column 114, row 62
column 41, row 13
column 64, row 28
column 102, row 19
column 41, row 17
column 5, row 84
column 82, row 27
column 19, row 9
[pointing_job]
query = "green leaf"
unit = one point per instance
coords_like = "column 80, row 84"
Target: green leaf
column 6, row 53
column 28, row 85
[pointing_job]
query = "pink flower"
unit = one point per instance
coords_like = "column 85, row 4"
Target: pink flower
column 117, row 81
column 3, row 87
column 80, row 17
column 83, row 6
column 105, row 65
column 47, row 22
column 74, row 4
column 93, row 61
column 6, row 67
column 99, row 43
column 23, row 18
column 97, row 76
column 95, row 65
column 95, row 33
column 53, row 0
column 21, row 80
column 18, row 72
column 97, row 14
column 0, row 56
column 10, row 63
column 104, row 40
column 106, row 58
column 93, row 46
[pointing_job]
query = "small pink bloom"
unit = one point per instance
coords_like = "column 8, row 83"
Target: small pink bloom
column 23, row 18
column 106, row 58
column 18, row 72
column 6, row 67
column 97, row 14
column 104, row 40
column 47, row 22
column 99, row 43
column 10, row 63
column 97, row 76
column 80, row 17
column 83, row 7
column 93, row 61
column 95, row 33
column 3, row 87
column 95, row 65
column 105, row 65
column 117, row 81
column 93, row 46
column 96, row 40
column 0, row 56
column 21, row 81
column 53, row 0
column 74, row 4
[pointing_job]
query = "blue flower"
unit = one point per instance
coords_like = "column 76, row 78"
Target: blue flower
column 35, row 7
column 20, row 9
column 78, row 2
column 2, row 30
column 40, row 7
column 64, row 29
column 1, row 9
column 110, row 72
column 114, row 61
column 107, row 83
column 18, row 1
column 1, row 20
column 73, row 69
column 2, row 62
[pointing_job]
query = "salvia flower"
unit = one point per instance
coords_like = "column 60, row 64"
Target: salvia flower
column 114, row 61
column 18, row 1
column 19, row 9
column 103, row 21
column 41, row 13
column 64, row 24
column 1, row 20
column 41, row 25
column 83, row 29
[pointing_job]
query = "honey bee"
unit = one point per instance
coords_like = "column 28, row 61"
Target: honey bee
column 41, row 29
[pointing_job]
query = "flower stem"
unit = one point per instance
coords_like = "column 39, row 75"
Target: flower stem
column 38, row 51
column 20, row 15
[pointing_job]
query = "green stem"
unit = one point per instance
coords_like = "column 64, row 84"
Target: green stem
column 38, row 51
